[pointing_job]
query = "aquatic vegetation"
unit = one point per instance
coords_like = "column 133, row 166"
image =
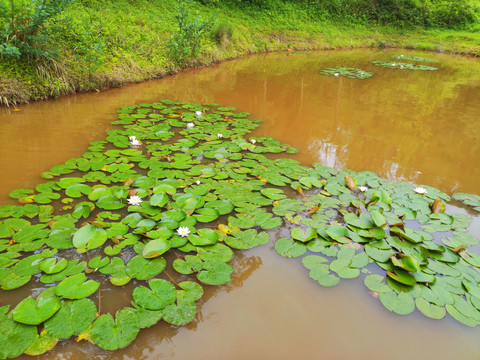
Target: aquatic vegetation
column 351, row 73
column 169, row 216
column 413, row 58
column 402, row 65
column 468, row 199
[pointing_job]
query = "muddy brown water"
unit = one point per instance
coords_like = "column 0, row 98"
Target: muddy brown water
column 417, row 126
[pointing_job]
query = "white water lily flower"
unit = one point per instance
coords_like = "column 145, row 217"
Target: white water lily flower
column 133, row 137
column 219, row 136
column 135, row 200
column 420, row 190
column 198, row 182
column 363, row 188
column 253, row 141
column 198, row 113
column 183, row 231
column 135, row 142
column 336, row 74
column 393, row 64
column 190, row 125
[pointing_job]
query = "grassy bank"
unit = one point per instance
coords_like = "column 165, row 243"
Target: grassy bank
column 109, row 43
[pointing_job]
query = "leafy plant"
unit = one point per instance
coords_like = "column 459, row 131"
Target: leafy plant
column 185, row 44
column 28, row 27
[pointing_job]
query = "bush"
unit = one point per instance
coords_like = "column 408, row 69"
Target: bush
column 28, row 26
column 186, row 43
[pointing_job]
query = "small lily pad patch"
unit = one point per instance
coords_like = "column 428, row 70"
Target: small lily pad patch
column 403, row 66
column 351, row 73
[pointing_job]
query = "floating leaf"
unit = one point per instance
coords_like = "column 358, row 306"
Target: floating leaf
column 112, row 334
column 155, row 248
column 160, row 294
column 89, row 237
column 215, row 273
column 181, row 313
column 32, row 311
column 143, row 269
column 401, row 304
column 376, row 283
column 76, row 287
column 15, row 337
column 290, row 248
column 73, row 317
column 430, row 310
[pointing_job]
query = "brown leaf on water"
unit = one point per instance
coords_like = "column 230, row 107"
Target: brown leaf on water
column 26, row 200
column 350, row 182
column 437, row 206
column 128, row 182
column 300, row 191
column 313, row 210
column 132, row 192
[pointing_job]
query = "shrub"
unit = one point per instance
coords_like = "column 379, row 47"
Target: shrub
column 28, row 26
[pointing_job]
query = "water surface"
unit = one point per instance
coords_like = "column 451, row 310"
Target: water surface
column 415, row 126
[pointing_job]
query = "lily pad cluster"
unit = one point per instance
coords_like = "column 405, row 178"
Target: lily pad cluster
column 182, row 187
column 468, row 199
column 351, row 73
column 412, row 58
column 403, row 66
column 350, row 221
column 172, row 179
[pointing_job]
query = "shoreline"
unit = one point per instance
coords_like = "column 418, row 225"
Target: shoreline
column 14, row 91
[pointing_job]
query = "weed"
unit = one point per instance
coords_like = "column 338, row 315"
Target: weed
column 27, row 30
column 186, row 43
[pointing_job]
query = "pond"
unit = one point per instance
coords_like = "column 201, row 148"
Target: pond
column 420, row 127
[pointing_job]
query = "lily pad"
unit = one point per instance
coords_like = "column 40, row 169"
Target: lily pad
column 290, row 248
column 72, row 318
column 32, row 311
column 112, row 334
column 15, row 337
column 76, row 287
column 181, row 313
column 160, row 294
column 401, row 303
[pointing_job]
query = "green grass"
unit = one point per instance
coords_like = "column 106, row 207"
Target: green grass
column 132, row 38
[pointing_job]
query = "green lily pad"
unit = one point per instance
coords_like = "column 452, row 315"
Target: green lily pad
column 215, row 273
column 73, row 317
column 290, row 248
column 303, row 235
column 376, row 283
column 401, row 304
column 76, row 287
column 51, row 266
column 160, row 294
column 430, row 310
column 89, row 237
column 15, row 337
column 155, row 248
column 246, row 239
column 191, row 291
column 143, row 269
column 181, row 313
column 32, row 311
column 112, row 334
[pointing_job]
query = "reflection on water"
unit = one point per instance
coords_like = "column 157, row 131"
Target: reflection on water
column 421, row 127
